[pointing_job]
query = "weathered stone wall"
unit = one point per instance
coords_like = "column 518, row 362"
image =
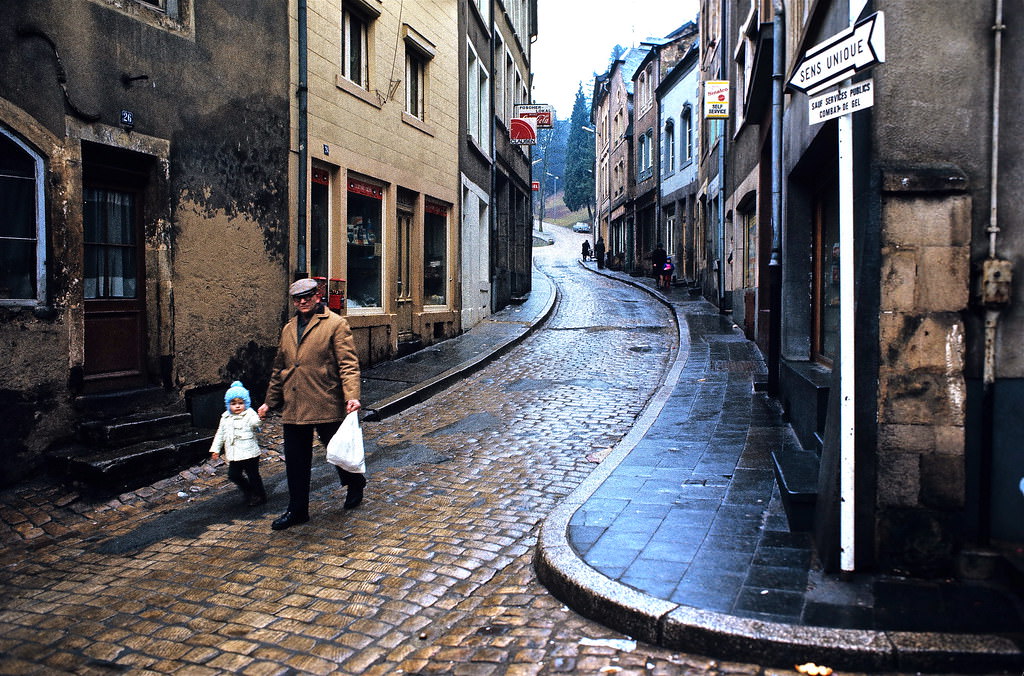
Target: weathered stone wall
column 922, row 395
column 214, row 209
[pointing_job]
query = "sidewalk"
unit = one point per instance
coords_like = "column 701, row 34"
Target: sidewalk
column 391, row 386
column 679, row 538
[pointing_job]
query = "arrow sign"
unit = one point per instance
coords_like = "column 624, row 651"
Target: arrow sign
column 856, row 48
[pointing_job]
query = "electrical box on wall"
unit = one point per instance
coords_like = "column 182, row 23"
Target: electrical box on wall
column 996, row 277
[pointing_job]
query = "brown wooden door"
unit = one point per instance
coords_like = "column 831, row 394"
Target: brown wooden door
column 113, row 285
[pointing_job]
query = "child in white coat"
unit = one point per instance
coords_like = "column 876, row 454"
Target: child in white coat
column 236, row 434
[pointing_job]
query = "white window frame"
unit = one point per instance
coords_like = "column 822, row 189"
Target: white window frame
column 415, row 83
column 478, row 100
column 686, row 134
column 40, row 218
column 670, row 147
column 348, row 12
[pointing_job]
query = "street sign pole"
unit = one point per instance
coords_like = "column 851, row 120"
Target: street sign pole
column 847, row 304
column 835, row 60
column 847, row 488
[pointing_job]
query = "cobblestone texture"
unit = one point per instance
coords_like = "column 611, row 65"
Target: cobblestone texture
column 431, row 575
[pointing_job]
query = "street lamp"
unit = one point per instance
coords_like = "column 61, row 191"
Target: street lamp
column 556, row 179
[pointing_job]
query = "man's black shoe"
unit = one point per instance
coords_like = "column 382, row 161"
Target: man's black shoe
column 355, row 490
column 288, row 519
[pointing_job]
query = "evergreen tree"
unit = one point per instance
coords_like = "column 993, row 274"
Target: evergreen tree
column 579, row 158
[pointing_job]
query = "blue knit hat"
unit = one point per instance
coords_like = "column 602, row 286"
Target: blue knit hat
column 237, row 391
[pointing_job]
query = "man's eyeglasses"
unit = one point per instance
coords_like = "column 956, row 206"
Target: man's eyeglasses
column 301, row 299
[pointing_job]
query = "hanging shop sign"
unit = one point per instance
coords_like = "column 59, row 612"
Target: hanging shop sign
column 542, row 112
column 716, row 99
column 522, row 131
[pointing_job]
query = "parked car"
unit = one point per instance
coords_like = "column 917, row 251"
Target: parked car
column 580, row 226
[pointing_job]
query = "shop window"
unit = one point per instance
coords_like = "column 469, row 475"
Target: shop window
column 365, row 210
column 319, row 221
column 22, row 227
column 435, row 254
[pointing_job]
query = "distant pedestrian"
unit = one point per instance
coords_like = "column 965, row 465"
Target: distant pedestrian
column 315, row 382
column 599, row 253
column 658, row 257
column 586, row 250
column 236, row 436
column 665, row 275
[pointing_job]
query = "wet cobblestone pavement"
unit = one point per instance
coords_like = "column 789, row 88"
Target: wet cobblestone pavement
column 432, row 574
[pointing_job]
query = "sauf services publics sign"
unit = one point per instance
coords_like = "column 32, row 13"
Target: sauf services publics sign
column 716, row 99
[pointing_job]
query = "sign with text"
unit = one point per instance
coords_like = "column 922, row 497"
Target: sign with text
column 841, row 101
column 851, row 51
column 543, row 113
column 522, row 131
column 716, row 98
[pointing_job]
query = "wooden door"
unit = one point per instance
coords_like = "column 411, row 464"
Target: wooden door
column 113, row 284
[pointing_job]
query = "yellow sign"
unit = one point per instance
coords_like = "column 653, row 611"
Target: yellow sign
column 716, row 98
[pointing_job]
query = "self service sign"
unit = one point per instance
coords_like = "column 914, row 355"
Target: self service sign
column 716, row 99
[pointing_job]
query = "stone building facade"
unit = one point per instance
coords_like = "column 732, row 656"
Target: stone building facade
column 146, row 198
column 937, row 316
column 494, row 175
column 374, row 146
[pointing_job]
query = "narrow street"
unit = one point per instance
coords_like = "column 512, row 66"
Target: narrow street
column 431, row 575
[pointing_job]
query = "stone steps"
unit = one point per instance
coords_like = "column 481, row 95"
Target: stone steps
column 123, row 468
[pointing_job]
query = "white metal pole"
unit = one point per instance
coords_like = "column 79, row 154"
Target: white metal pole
column 847, row 457
column 847, row 492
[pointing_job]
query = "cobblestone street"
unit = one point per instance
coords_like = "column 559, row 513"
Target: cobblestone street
column 431, row 575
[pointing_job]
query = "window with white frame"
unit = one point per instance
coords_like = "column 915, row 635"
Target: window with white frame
column 670, row 147
column 415, row 82
column 22, row 227
column 479, row 100
column 686, row 134
column 645, row 160
column 484, row 7
column 355, row 29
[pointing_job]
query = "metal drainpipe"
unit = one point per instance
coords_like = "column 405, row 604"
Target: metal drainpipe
column 775, row 263
column 303, row 94
column 996, row 275
column 722, row 74
column 492, row 221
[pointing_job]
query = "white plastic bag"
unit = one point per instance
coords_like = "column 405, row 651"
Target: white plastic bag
column 346, row 446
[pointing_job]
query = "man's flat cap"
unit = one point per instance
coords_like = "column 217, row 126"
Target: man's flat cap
column 303, row 287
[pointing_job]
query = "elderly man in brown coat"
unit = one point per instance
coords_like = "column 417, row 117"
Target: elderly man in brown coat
column 315, row 382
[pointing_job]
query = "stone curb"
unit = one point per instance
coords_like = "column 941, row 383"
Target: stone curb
column 420, row 392
column 679, row 627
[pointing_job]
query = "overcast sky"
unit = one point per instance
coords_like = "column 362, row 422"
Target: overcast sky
column 575, row 40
